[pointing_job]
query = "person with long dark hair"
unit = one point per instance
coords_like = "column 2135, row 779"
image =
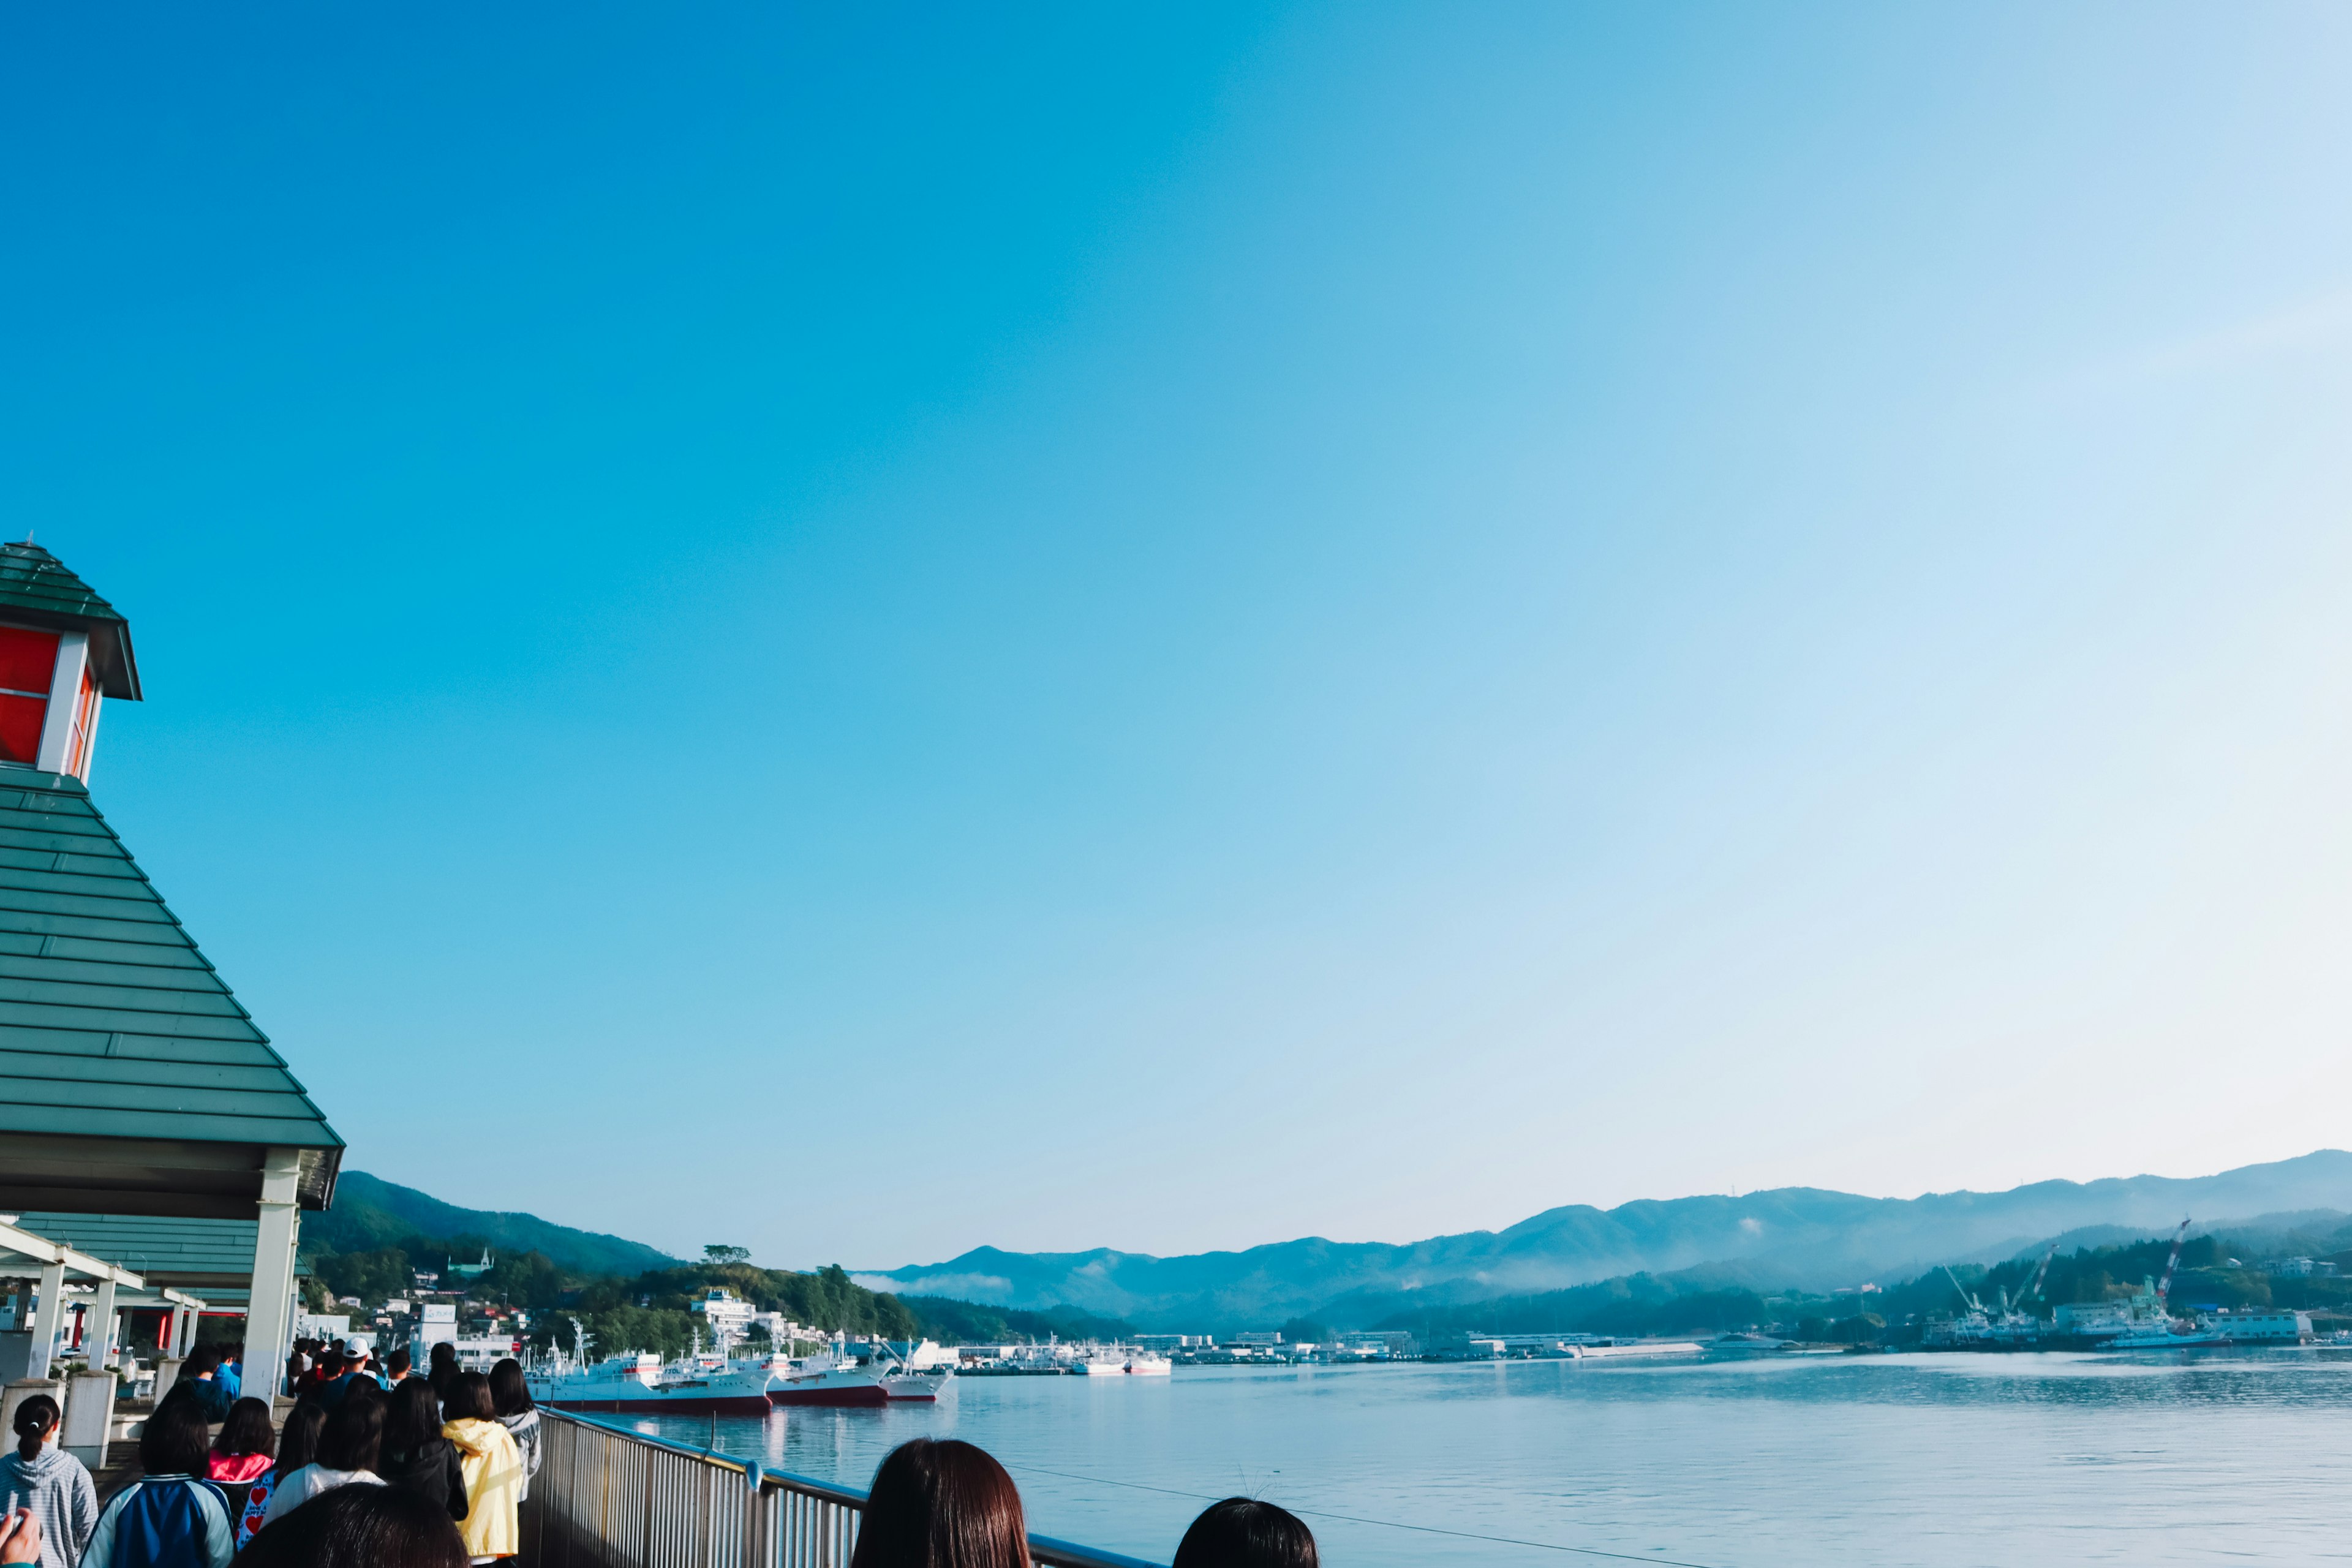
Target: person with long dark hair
column 1243, row 1533
column 942, row 1504
column 50, row 1484
column 247, row 1448
column 416, row 1458
column 350, row 1445
column 492, row 1466
column 511, row 1394
column 440, row 1366
column 171, row 1516
column 359, row 1527
column 298, row 1444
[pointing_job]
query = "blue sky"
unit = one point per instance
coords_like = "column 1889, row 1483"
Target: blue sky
column 868, row 632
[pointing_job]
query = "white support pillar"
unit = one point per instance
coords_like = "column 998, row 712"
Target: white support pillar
column 64, row 695
column 46, row 1317
column 98, row 1333
column 187, row 1331
column 269, row 1312
column 172, row 1328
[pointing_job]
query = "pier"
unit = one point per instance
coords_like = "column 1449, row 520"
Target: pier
column 605, row 1497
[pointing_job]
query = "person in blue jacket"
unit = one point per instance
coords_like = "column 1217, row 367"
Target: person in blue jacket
column 199, row 1377
column 171, row 1516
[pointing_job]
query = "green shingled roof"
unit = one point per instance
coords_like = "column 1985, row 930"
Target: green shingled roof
column 197, row 1253
column 112, row 1023
column 36, row 589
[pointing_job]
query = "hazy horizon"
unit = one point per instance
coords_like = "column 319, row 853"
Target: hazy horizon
column 855, row 632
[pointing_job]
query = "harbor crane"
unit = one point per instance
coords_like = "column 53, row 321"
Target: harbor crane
column 2034, row 1285
column 1974, row 1305
column 2164, row 1286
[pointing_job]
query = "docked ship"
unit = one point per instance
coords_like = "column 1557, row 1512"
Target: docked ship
column 641, row 1383
column 837, row 1377
column 2006, row 1326
column 1113, row 1360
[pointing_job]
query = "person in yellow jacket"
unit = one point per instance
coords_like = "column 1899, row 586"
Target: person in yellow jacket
column 491, row 1464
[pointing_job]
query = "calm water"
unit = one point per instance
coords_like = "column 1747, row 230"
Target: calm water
column 1929, row 1460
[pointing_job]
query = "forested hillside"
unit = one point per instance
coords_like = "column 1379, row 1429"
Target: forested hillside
column 370, row 1213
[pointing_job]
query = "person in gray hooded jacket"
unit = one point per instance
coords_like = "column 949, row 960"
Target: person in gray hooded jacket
column 49, row 1483
column 512, row 1393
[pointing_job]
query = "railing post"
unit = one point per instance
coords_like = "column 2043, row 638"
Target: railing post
column 750, row 1557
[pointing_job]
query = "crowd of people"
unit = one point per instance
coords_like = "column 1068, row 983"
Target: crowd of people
column 403, row 1466
column 408, row 1469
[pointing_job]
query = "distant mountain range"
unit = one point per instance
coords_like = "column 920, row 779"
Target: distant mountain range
column 1800, row 1238
column 370, row 1213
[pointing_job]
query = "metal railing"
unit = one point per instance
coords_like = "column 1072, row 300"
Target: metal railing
column 605, row 1497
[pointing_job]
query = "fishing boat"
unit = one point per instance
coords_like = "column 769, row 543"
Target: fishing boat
column 1115, row 1360
column 641, row 1383
column 837, row 1377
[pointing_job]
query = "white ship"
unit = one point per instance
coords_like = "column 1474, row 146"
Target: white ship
column 640, row 1383
column 2004, row 1327
column 837, row 1377
column 1115, row 1360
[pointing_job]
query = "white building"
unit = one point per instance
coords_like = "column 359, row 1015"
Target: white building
column 729, row 1315
column 2263, row 1325
column 479, row 1353
column 1168, row 1343
column 1255, row 1341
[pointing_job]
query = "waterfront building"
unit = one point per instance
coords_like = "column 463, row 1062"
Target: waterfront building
column 1168, row 1345
column 1255, row 1341
column 727, row 1314
column 2260, row 1325
column 479, row 1353
column 147, row 1116
column 1377, row 1344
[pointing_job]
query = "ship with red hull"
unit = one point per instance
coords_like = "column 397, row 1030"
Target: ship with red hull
column 843, row 1380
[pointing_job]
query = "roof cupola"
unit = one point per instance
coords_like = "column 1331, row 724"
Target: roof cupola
column 63, row 652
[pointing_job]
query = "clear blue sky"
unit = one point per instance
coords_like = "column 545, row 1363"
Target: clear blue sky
column 866, row 631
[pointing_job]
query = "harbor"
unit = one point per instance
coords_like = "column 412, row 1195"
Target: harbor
column 1887, row 1458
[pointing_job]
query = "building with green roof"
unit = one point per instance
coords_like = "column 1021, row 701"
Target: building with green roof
column 134, row 1091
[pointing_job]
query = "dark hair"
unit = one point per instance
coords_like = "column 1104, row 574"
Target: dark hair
column 359, row 1527
column 415, row 1417
column 508, row 1391
column 177, row 1439
column 298, row 1444
column 199, row 1362
column 331, row 1365
column 353, row 1439
column 942, row 1504
column 444, row 1353
column 1243, row 1533
column 466, row 1396
column 34, row 1419
column 397, row 1363
column 248, row 1430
